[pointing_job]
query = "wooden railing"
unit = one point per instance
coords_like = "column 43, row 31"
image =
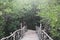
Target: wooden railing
column 45, row 36
column 18, row 34
column 42, row 34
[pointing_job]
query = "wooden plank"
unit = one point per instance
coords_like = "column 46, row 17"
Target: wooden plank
column 30, row 35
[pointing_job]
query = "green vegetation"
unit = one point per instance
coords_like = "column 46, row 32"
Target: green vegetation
column 51, row 11
column 12, row 12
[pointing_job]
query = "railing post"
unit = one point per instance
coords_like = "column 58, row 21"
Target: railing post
column 21, row 26
column 21, row 30
column 14, row 37
column 18, row 35
column 40, row 31
column 42, row 36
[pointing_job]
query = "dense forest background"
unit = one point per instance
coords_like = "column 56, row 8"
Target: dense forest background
column 13, row 11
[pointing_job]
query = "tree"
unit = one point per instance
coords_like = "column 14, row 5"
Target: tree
column 51, row 11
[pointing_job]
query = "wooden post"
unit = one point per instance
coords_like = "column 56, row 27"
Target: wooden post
column 21, row 30
column 11, row 38
column 21, row 25
column 14, row 37
column 18, row 35
column 40, row 32
column 36, row 29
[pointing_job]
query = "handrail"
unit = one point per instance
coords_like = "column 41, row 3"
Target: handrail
column 13, row 33
column 42, row 34
column 47, row 35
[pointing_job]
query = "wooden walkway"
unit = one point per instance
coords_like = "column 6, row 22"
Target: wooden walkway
column 25, row 34
column 30, row 35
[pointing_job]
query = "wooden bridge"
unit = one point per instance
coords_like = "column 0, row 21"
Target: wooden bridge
column 19, row 34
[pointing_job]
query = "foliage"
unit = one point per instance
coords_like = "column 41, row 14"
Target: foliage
column 51, row 12
column 12, row 14
column 6, row 25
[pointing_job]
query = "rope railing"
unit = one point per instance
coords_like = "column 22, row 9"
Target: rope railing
column 18, row 34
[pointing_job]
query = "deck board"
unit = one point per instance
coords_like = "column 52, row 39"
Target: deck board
column 30, row 35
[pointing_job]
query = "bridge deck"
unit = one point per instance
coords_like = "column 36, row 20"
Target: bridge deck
column 30, row 35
